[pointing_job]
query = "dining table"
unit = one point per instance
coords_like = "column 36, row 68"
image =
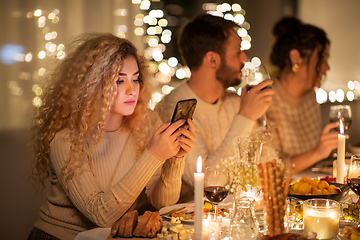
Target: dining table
column 318, row 170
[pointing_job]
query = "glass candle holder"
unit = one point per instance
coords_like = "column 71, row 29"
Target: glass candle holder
column 211, row 227
column 321, row 218
column 347, row 162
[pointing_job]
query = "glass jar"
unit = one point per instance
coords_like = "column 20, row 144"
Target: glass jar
column 244, row 224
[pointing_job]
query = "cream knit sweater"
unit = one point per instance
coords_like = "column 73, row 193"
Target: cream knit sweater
column 217, row 127
column 100, row 196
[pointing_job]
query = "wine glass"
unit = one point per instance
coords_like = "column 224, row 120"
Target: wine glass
column 216, row 186
column 342, row 112
column 253, row 74
column 353, row 174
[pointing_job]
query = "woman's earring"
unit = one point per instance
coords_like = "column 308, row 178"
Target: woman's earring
column 295, row 68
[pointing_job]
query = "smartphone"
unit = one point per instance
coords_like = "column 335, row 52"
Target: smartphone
column 184, row 109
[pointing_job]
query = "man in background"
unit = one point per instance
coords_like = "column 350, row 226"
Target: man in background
column 211, row 49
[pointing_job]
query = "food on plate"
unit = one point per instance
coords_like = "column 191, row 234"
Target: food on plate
column 351, row 212
column 307, row 186
column 329, row 179
column 285, row 236
column 352, row 232
column 173, row 230
column 188, row 213
column 128, row 226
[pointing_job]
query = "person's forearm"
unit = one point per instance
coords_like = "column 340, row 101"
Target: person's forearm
column 166, row 191
column 305, row 160
column 104, row 208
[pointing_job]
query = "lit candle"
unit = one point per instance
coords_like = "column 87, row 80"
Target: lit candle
column 341, row 155
column 198, row 198
column 321, row 217
column 211, row 229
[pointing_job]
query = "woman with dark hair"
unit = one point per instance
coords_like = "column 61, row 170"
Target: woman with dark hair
column 301, row 53
column 99, row 144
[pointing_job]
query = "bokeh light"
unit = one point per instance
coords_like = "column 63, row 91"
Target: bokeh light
column 340, row 95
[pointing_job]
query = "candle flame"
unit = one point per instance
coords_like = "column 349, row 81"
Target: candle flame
column 341, row 127
column 199, row 165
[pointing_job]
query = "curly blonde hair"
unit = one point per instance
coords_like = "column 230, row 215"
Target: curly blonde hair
column 79, row 96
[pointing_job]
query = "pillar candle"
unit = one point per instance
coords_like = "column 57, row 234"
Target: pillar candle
column 341, row 155
column 198, row 198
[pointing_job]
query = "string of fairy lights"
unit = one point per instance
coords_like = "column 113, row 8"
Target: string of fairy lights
column 153, row 26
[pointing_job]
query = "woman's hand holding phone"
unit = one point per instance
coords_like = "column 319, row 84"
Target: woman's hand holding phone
column 172, row 140
column 187, row 138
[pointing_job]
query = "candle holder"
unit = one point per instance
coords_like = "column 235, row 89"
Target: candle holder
column 321, row 218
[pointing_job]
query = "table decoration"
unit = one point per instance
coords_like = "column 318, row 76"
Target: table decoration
column 321, row 218
column 198, row 199
column 241, row 168
column 341, row 155
column 275, row 192
column 244, row 224
column 242, row 171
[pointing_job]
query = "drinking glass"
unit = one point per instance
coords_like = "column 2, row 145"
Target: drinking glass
column 216, row 186
column 253, row 74
column 342, row 112
column 353, row 174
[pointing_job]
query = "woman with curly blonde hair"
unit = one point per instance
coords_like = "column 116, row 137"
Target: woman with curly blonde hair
column 99, row 144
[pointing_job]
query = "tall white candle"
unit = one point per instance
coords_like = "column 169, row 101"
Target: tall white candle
column 198, row 198
column 341, row 155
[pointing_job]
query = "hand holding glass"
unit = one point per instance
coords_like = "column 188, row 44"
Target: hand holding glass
column 254, row 73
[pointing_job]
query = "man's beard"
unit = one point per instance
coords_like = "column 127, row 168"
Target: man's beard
column 227, row 75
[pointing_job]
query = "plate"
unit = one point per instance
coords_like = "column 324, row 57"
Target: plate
column 169, row 208
column 324, row 166
column 336, row 196
column 164, row 210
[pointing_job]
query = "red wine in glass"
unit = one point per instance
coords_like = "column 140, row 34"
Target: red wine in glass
column 216, row 186
column 216, row 194
column 353, row 174
column 354, row 184
column 248, row 87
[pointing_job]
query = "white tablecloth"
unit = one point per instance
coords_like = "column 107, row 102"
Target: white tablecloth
column 94, row 234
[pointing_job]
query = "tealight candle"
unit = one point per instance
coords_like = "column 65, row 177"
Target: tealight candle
column 341, row 155
column 198, row 199
column 321, row 218
column 211, row 229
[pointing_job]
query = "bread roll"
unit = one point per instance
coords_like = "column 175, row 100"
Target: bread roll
column 158, row 224
column 141, row 224
column 285, row 236
column 131, row 222
column 152, row 220
column 124, row 227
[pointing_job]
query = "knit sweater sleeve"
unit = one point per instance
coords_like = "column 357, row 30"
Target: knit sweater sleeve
column 164, row 187
column 102, row 208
